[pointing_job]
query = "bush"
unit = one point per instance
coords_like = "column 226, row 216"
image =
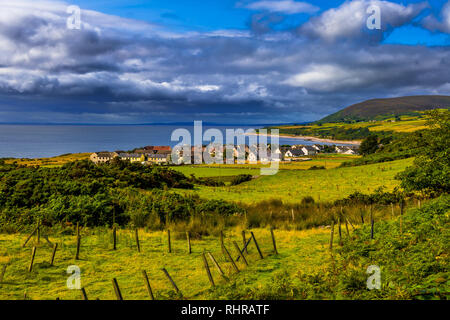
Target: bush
column 241, row 179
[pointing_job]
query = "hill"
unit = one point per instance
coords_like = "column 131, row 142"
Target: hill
column 378, row 109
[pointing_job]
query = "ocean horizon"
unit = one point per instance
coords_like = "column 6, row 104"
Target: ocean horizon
column 49, row 140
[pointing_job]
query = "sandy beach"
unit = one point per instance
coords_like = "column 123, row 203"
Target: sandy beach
column 315, row 139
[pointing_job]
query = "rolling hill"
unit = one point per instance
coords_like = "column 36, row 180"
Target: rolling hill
column 377, row 109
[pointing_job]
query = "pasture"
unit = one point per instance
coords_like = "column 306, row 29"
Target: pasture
column 291, row 186
column 99, row 263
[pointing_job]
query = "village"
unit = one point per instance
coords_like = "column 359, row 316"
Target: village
column 165, row 155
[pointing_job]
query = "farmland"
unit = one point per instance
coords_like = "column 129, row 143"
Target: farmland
column 291, row 186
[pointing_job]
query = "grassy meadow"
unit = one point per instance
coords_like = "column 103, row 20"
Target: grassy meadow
column 407, row 123
column 291, row 186
column 99, row 263
column 49, row 162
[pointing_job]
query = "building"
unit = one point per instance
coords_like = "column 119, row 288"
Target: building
column 294, row 153
column 159, row 158
column 132, row 157
column 102, row 157
column 309, row 150
column 155, row 149
column 347, row 149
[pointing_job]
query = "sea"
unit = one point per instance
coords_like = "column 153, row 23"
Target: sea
column 42, row 141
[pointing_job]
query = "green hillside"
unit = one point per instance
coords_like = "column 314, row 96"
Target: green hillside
column 378, row 109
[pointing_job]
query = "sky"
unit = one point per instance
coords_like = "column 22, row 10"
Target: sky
column 223, row 61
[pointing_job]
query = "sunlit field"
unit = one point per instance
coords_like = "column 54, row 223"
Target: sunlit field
column 50, row 162
column 99, row 263
column 291, row 186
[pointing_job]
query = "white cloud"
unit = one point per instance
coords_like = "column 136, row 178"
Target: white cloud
column 442, row 25
column 350, row 19
column 283, row 6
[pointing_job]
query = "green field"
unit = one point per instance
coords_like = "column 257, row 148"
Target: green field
column 99, row 264
column 291, row 186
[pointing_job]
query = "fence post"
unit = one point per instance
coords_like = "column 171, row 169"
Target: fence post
column 346, row 227
column 340, row 231
column 273, row 241
column 171, row 280
column 240, row 252
column 244, row 241
column 114, row 238
column 222, row 245
column 83, row 292
column 245, row 247
column 117, row 289
column 55, row 246
column 217, row 266
column 168, row 241
column 227, row 254
column 33, row 254
column 77, row 256
column 331, row 234
column 188, row 237
column 147, row 285
column 136, row 235
column 39, row 231
column 256, row 244
column 371, row 222
column 208, row 271
column 29, row 237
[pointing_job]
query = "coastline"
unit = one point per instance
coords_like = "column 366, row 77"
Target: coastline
column 315, row 139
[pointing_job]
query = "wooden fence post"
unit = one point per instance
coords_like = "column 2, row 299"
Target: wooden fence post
column 244, row 242
column 168, row 241
column 340, row 231
column 114, row 238
column 346, row 227
column 293, row 216
column 33, row 254
column 227, row 254
column 29, row 237
column 241, row 253
column 256, row 244
column 273, row 241
column 371, row 222
column 331, row 234
column 217, row 266
column 171, row 280
column 83, row 292
column 136, row 235
column 208, row 271
column 77, row 256
column 245, row 247
column 52, row 260
column 222, row 245
column 147, row 285
column 39, row 231
column 362, row 215
column 188, row 238
column 117, row 289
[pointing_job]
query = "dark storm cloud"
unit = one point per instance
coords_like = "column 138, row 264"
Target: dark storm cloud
column 117, row 70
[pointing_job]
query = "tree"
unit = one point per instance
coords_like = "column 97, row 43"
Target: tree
column 430, row 172
column 369, row 145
